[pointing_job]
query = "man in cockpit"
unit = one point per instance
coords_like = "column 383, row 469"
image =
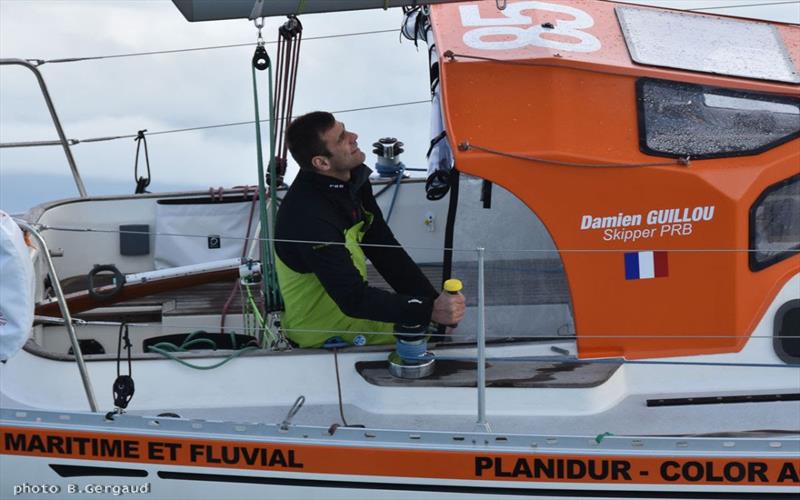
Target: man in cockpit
column 328, row 225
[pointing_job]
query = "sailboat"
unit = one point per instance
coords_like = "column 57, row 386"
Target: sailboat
column 617, row 187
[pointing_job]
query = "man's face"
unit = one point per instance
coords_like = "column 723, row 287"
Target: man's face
column 345, row 154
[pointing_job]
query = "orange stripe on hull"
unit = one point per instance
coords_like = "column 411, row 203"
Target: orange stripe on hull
column 416, row 463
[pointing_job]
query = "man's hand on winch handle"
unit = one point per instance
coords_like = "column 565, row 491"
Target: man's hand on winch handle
column 448, row 308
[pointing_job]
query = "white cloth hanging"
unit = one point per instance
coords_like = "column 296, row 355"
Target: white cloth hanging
column 17, row 288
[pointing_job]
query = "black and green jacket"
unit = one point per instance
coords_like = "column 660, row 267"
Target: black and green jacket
column 324, row 282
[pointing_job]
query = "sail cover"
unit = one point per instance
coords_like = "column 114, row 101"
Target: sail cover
column 16, row 288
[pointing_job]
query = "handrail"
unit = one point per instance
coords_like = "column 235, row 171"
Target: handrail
column 73, row 337
column 62, row 137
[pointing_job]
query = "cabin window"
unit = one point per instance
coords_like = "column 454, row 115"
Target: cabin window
column 679, row 120
column 775, row 224
column 787, row 332
column 526, row 292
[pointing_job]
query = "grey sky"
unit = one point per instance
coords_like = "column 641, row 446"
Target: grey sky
column 121, row 96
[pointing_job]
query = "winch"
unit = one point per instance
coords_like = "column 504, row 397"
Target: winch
column 411, row 358
column 388, row 150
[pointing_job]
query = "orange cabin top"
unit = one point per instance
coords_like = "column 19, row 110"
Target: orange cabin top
column 621, row 93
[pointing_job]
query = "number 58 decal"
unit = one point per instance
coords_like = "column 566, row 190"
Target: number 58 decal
column 508, row 26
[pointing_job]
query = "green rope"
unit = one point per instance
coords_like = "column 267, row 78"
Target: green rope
column 273, row 196
column 251, row 301
column 170, row 355
column 167, row 349
column 268, row 338
column 272, row 296
column 262, row 193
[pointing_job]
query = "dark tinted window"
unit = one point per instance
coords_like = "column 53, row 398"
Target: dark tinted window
column 787, row 332
column 775, row 224
column 678, row 119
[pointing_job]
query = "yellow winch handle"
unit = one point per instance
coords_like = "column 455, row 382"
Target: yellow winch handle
column 453, row 286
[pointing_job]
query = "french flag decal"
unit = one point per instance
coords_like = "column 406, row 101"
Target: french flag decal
column 645, row 265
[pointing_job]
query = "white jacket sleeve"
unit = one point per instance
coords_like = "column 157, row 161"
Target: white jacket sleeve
column 16, row 288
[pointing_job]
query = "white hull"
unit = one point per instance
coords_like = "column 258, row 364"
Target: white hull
column 589, row 414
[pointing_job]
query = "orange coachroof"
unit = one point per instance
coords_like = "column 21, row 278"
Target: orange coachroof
column 544, row 98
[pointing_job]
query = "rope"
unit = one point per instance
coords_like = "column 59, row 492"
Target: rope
column 275, row 301
column 268, row 338
column 466, row 146
column 141, row 182
column 169, row 355
column 339, row 386
column 268, row 278
column 272, row 297
column 412, row 351
column 167, row 349
column 124, row 334
column 290, row 35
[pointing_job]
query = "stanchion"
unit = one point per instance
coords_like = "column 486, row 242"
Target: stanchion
column 482, row 424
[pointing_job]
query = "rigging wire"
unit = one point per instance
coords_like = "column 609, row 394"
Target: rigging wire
column 43, row 227
column 170, row 351
column 532, row 336
column 266, row 120
column 449, row 55
column 40, row 62
column 74, row 142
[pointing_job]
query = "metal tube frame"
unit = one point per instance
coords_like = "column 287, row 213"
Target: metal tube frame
column 61, row 136
column 482, row 424
column 62, row 304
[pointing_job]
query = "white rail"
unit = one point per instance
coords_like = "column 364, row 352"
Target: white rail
column 50, row 107
column 62, row 304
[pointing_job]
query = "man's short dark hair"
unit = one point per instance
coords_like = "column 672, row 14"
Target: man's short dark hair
column 304, row 137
